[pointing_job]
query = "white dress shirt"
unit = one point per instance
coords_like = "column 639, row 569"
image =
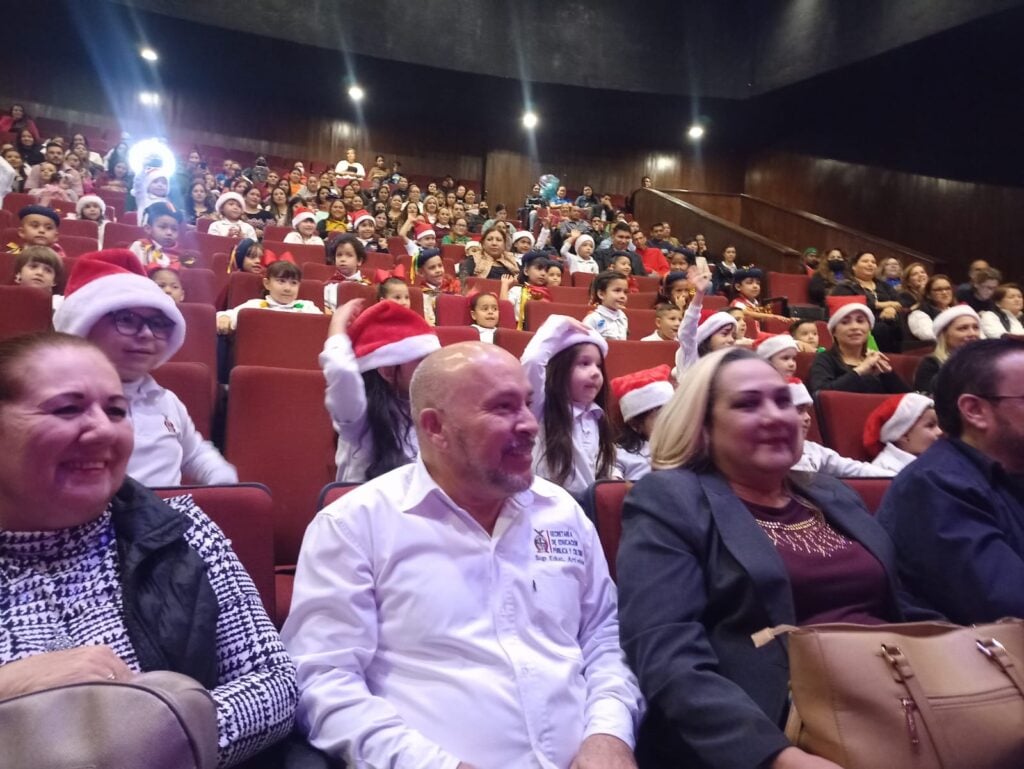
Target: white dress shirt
column 486, row 334
column 609, row 323
column 167, row 443
column 892, row 459
column 422, row 641
column 821, row 459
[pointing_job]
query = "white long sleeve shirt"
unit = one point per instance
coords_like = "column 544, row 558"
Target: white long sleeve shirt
column 821, row 459
column 303, row 306
column 346, row 403
column 633, row 465
column 167, row 443
column 892, row 459
column 422, row 641
column 992, row 327
column 611, row 324
column 224, row 228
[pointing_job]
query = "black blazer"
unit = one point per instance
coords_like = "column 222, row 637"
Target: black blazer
column 697, row 576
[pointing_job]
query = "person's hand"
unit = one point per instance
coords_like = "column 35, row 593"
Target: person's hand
column 507, row 280
column 782, row 318
column 223, row 324
column 699, row 280
column 805, row 346
column 602, row 751
column 888, row 313
column 794, row 758
column 578, row 325
column 83, row 664
column 874, row 363
column 744, row 341
column 344, row 316
column 573, row 235
column 234, row 231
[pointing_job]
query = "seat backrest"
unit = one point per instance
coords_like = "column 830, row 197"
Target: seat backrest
column 243, row 286
column 905, row 366
column 789, row 285
column 396, row 246
column 453, row 310
column 83, row 228
column 453, row 251
column 538, row 311
column 841, row 418
column 569, row 294
column 76, row 246
column 200, row 335
column 203, row 225
column 280, row 339
column 454, row 334
column 804, row 361
column 193, row 383
column 121, row 235
column 512, row 340
column 15, row 201
column 332, row 492
column 582, row 279
column 608, row 498
column 301, row 252
column 244, row 512
column 275, row 233
column 715, row 302
column 200, row 285
column 641, row 323
column 295, row 463
column 629, row 356
column 871, row 490
column 312, row 291
column 24, row 310
column 314, row 271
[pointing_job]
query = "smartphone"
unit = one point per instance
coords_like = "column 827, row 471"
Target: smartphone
column 702, row 265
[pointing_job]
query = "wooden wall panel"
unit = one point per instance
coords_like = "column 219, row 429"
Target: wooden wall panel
column 726, row 205
column 953, row 221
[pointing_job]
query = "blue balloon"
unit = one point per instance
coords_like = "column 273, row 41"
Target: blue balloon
column 549, row 185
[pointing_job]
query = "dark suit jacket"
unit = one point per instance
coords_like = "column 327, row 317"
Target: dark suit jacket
column 697, row 576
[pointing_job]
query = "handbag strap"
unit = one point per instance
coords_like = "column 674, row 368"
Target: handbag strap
column 904, row 674
column 996, row 652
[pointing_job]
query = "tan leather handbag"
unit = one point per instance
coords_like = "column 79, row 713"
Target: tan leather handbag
column 925, row 695
column 158, row 720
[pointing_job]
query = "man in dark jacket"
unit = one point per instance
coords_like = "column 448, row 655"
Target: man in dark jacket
column 621, row 242
column 956, row 514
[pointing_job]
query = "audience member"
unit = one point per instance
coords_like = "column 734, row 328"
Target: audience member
column 304, row 228
column 956, row 514
column 38, row 226
column 492, row 261
column 640, row 397
column 620, row 243
column 609, row 293
column 978, row 293
column 485, row 314
column 168, row 280
column 953, row 328
column 721, row 542
column 1007, row 316
column 16, row 121
column 912, row 286
column 667, row 319
column 879, row 297
column 230, row 206
column 899, row 430
column 281, row 281
column 938, row 297
column 831, row 271
column 851, row 365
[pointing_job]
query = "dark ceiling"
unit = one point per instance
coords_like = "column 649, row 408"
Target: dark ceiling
column 928, row 86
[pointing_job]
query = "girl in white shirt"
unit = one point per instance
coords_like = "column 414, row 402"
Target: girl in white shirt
column 304, row 224
column 564, row 362
column 899, row 430
column 281, row 281
column 609, row 292
column 640, row 396
column 532, row 286
column 230, row 207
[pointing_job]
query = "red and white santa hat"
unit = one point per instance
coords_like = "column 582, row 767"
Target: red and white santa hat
column 712, row 322
column 423, row 230
column 362, row 215
column 892, row 419
column 848, row 309
column 643, row 391
column 225, row 197
column 519, row 234
column 301, row 214
column 769, row 346
column 557, row 333
column 103, row 282
column 947, row 316
column 798, row 392
column 474, row 244
column 86, row 200
column 580, row 241
column 388, row 334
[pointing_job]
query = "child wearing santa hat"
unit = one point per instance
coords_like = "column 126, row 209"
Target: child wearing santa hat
column 899, row 430
column 365, row 226
column 702, row 331
column 564, row 363
column 779, row 350
column 640, row 396
column 368, row 360
column 92, row 208
column 110, row 301
column 425, row 243
column 230, row 206
column 821, row 459
column 304, row 226
column 149, row 187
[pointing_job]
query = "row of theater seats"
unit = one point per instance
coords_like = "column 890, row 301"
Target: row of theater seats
column 269, row 547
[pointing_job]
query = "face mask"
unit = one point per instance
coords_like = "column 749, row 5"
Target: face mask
column 836, row 265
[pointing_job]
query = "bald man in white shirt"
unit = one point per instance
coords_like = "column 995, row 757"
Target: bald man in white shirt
column 457, row 611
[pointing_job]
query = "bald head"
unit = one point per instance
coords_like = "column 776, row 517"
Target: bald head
column 442, row 376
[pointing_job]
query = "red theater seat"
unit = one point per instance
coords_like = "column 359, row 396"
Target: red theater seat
column 537, row 312
column 513, row 341
column 24, row 310
column 194, row 384
column 607, row 515
column 121, row 235
column 453, row 310
column 841, row 417
column 295, row 462
column 82, row 228
column 871, row 490
column 244, row 512
column 280, row 340
column 200, row 335
column 200, row 285
column 627, row 357
column 454, row 334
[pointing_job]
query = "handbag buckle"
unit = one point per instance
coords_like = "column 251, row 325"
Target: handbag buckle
column 990, row 647
column 892, row 654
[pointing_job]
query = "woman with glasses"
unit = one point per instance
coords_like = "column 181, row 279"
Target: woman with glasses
column 938, row 296
column 110, row 301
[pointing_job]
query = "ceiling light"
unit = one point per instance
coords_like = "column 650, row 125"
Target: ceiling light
column 696, row 132
column 148, row 54
column 356, row 93
column 530, row 119
column 149, row 99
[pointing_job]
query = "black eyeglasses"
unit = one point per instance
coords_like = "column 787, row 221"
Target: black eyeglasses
column 998, row 398
column 130, row 323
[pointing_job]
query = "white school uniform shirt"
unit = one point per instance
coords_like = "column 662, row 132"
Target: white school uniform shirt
column 486, row 334
column 892, row 459
column 299, row 305
column 223, row 227
column 167, row 443
column 821, row 459
column 633, row 465
column 295, row 237
column 421, row 641
column 345, row 399
column 611, row 324
column 331, row 290
column 576, row 264
column 655, row 337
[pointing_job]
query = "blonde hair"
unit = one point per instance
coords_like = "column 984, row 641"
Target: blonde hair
column 941, row 351
column 679, row 438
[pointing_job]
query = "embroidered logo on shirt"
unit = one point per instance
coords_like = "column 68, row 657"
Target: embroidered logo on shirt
column 557, row 546
column 170, row 425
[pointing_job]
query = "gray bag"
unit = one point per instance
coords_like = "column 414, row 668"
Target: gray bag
column 158, row 720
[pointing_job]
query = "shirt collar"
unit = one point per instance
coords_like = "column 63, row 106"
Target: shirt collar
column 579, row 410
column 990, row 468
column 609, row 313
column 141, row 388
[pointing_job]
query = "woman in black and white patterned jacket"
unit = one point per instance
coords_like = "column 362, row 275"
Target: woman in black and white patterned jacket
column 99, row 578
